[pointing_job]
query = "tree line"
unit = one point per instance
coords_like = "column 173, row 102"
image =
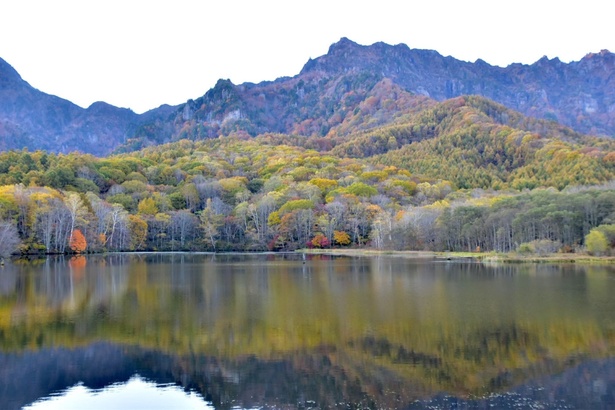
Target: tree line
column 275, row 192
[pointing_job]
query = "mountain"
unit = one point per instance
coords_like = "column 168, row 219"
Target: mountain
column 579, row 94
column 352, row 88
column 32, row 119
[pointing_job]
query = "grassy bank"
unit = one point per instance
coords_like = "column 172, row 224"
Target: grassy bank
column 488, row 257
column 548, row 258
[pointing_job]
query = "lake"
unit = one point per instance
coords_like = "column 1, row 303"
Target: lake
column 224, row 331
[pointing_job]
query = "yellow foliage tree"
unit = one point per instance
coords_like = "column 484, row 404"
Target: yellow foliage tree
column 138, row 231
column 324, row 184
column 147, row 206
column 341, row 238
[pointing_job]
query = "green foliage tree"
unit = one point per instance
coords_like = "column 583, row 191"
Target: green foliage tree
column 361, row 189
column 296, row 204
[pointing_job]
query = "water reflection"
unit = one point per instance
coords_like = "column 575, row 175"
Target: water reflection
column 268, row 329
column 135, row 394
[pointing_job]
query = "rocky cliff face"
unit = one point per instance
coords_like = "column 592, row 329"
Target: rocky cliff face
column 579, row 94
column 349, row 89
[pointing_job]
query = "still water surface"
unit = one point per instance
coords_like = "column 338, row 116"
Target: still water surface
column 228, row 331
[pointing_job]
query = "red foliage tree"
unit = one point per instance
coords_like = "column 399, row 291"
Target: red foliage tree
column 78, row 243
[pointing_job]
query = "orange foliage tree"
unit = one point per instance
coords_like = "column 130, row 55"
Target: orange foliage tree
column 78, row 243
column 320, row 241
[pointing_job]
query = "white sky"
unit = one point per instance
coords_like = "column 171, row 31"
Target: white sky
column 140, row 54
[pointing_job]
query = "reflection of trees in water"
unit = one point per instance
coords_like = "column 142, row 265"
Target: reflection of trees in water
column 8, row 280
column 417, row 325
column 54, row 281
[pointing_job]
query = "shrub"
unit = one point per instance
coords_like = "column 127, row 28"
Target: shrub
column 540, row 247
column 596, row 242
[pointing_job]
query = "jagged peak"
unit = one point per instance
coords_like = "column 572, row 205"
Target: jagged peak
column 347, row 54
column 224, row 83
column 223, row 89
column 603, row 61
column 546, row 61
column 601, row 53
column 343, row 44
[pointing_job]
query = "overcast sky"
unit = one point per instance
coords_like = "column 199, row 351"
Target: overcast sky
column 141, row 54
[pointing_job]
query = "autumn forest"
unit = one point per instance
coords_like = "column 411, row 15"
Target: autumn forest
column 466, row 174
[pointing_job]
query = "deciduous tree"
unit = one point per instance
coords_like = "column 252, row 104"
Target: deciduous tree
column 77, row 241
column 9, row 239
column 341, row 238
column 596, row 242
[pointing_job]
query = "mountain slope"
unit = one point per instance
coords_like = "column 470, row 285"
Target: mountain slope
column 32, row 119
column 474, row 142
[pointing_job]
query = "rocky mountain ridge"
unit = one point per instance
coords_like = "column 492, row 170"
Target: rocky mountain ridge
column 579, row 94
column 351, row 88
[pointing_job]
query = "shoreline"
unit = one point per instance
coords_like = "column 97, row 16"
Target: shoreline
column 487, row 257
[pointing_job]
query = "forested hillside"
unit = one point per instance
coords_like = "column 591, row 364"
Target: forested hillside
column 465, row 174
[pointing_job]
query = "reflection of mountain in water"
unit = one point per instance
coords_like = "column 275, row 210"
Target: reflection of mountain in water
column 268, row 329
column 590, row 385
column 250, row 382
column 309, row 381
